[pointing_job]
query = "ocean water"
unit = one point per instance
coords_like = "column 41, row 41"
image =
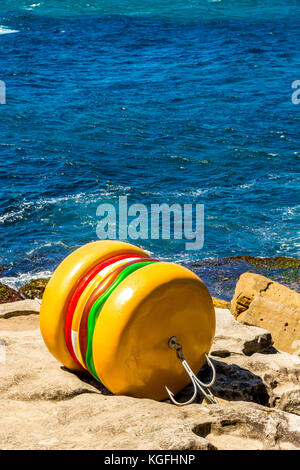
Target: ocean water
column 178, row 101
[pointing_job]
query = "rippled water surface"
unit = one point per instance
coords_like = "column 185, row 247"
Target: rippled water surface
column 163, row 101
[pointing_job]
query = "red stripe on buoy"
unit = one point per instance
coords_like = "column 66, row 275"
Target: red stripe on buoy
column 79, row 290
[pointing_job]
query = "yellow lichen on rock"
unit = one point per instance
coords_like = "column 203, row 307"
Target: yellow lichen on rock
column 219, row 303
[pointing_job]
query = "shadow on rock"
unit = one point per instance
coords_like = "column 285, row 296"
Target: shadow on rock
column 234, row 383
column 89, row 379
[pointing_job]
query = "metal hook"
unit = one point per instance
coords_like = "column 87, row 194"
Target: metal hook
column 197, row 384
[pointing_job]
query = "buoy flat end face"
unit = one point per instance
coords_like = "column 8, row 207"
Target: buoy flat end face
column 130, row 347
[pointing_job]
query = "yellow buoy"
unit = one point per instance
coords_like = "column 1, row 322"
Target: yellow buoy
column 110, row 309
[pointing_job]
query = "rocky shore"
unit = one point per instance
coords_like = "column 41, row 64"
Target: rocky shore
column 256, row 352
column 31, row 290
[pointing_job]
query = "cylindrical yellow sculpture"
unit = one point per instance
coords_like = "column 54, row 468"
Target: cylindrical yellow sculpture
column 110, row 309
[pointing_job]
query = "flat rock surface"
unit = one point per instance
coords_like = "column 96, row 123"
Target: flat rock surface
column 249, row 368
column 92, row 421
column 233, row 337
column 44, row 406
column 19, row 323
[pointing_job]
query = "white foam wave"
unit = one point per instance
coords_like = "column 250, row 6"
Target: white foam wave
column 46, row 245
column 179, row 157
column 40, row 204
column 26, row 207
column 197, row 192
column 292, row 211
column 31, row 7
column 247, row 185
column 15, row 282
column 6, row 30
column 15, row 214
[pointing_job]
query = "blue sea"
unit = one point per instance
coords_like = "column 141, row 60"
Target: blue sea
column 178, row 101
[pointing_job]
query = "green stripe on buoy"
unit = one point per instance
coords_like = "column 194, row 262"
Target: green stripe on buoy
column 96, row 310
